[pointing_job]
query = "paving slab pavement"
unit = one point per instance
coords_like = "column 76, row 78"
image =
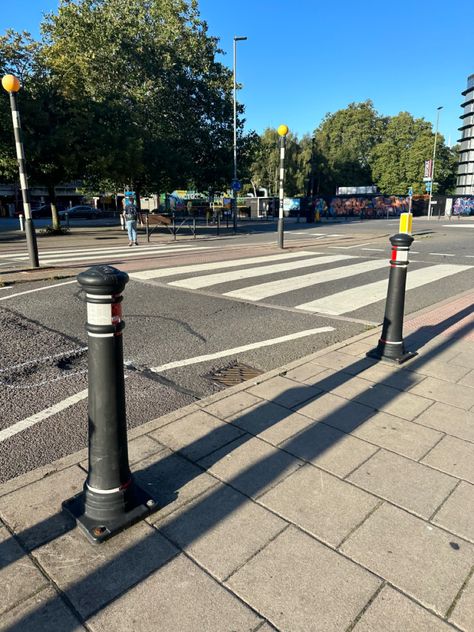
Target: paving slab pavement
column 332, row 494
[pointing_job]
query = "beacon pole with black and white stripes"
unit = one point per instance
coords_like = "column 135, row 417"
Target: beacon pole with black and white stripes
column 12, row 85
column 282, row 132
column 391, row 346
column 111, row 501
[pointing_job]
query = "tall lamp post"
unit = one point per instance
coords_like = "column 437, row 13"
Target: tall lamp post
column 282, row 132
column 12, row 85
column 434, row 158
column 234, row 180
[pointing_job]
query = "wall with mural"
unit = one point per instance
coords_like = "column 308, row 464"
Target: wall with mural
column 359, row 206
column 463, row 206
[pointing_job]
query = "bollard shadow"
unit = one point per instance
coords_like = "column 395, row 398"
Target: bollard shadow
column 202, row 504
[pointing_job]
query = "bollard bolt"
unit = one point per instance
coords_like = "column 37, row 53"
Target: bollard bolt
column 111, row 501
column 391, row 346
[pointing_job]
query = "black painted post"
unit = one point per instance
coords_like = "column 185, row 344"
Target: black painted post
column 391, row 346
column 110, row 501
column 218, row 224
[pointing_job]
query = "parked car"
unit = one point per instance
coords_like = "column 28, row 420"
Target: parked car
column 80, row 212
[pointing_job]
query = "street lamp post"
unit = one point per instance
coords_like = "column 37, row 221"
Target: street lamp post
column 12, row 85
column 434, row 158
column 282, row 132
column 234, row 181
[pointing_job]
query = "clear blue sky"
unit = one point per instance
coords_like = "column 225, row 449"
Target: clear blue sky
column 304, row 58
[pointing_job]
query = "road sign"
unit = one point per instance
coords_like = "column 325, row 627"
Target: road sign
column 428, row 169
column 236, row 185
column 428, row 186
column 410, row 191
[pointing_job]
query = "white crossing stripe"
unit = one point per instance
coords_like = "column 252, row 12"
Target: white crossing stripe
column 235, row 350
column 207, row 280
column 355, row 298
column 216, row 265
column 264, row 290
column 38, row 289
column 80, row 251
column 136, row 252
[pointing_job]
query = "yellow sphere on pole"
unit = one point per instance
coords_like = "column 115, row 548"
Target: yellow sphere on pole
column 10, row 83
column 283, row 130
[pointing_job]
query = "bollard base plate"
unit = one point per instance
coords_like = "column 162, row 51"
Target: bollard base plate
column 99, row 531
column 377, row 355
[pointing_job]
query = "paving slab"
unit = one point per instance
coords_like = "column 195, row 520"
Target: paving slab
column 283, row 391
column 330, row 449
column 449, row 419
column 43, row 612
column 337, row 412
column 345, row 362
column 307, row 373
column 196, row 434
column 19, row 577
column 453, row 456
column 398, row 435
column 391, row 376
column 393, row 612
column 300, row 585
column 229, row 407
column 320, row 503
column 456, row 514
column 411, row 485
column 250, row 465
column 441, row 391
column 34, row 512
column 465, row 359
column 270, row 422
column 92, row 576
column 467, row 380
column 221, row 530
column 421, row 560
column 463, row 613
column 184, row 598
column 171, row 480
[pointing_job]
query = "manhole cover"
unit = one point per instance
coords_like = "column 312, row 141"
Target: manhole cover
column 234, row 374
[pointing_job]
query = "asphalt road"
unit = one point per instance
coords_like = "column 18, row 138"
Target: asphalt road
column 43, row 341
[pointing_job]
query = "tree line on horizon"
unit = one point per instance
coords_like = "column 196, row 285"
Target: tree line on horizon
column 117, row 94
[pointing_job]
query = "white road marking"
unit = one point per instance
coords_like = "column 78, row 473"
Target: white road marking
column 235, row 350
column 440, row 254
column 458, row 225
column 263, row 290
column 216, row 265
column 136, row 252
column 350, row 300
column 374, row 249
column 207, row 280
column 38, row 289
column 41, row 416
column 348, row 247
column 78, row 251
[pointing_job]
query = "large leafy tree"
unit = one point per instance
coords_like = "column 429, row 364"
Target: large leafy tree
column 398, row 161
column 344, row 142
column 159, row 104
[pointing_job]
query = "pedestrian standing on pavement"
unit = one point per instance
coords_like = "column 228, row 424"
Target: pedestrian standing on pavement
column 130, row 214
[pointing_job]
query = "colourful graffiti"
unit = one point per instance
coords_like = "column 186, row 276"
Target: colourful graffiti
column 463, row 206
column 378, row 206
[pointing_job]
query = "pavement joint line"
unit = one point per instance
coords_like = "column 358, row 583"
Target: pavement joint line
column 430, row 519
column 451, row 608
column 367, row 606
column 379, row 449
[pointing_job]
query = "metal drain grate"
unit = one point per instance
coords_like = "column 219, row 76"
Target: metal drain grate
column 233, row 374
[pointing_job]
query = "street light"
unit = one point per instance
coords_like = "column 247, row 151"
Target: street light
column 282, row 132
column 234, row 181
column 12, row 85
column 434, row 157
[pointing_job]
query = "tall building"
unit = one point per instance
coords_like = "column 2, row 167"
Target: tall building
column 465, row 175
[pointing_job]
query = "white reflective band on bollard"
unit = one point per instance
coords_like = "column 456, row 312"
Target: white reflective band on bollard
column 400, row 255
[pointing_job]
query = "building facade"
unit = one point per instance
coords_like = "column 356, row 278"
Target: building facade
column 465, row 175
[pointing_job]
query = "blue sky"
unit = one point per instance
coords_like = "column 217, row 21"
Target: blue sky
column 304, row 58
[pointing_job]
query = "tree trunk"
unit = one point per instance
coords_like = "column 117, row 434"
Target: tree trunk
column 54, row 211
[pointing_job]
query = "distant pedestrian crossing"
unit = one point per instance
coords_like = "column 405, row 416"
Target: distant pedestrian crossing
column 79, row 255
column 337, row 284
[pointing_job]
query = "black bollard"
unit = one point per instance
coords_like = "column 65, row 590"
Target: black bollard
column 110, row 501
column 390, row 346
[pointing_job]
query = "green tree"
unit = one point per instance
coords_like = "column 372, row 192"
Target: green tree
column 159, row 104
column 344, row 142
column 398, row 161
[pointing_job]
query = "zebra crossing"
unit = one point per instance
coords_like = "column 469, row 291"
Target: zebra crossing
column 79, row 255
column 339, row 283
